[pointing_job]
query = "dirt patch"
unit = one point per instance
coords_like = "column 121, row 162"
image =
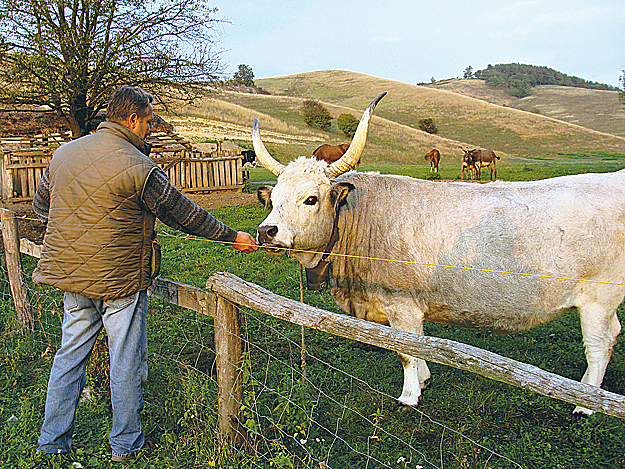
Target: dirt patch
column 223, row 199
column 31, row 228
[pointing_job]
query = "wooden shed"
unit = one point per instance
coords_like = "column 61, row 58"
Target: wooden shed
column 28, row 140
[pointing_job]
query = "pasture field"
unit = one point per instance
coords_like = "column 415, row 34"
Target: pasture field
column 343, row 414
column 394, row 137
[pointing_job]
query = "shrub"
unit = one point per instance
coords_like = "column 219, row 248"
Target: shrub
column 348, row 124
column 428, row 125
column 316, row 115
column 244, row 75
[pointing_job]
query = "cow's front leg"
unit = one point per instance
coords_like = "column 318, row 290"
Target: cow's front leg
column 416, row 374
column 600, row 328
column 408, row 316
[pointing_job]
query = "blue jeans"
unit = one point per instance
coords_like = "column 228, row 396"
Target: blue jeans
column 125, row 322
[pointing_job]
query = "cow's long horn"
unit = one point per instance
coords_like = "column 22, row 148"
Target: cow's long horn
column 262, row 155
column 352, row 155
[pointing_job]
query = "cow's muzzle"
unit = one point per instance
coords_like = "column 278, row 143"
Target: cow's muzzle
column 266, row 233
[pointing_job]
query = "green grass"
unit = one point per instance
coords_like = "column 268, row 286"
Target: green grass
column 532, row 430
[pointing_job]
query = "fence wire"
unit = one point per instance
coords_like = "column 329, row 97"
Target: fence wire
column 339, row 415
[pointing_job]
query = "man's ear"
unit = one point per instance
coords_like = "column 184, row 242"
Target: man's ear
column 264, row 196
column 339, row 193
column 131, row 120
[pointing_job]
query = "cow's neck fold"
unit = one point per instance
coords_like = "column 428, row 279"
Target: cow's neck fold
column 317, row 277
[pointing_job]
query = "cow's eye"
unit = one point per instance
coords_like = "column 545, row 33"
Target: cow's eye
column 312, row 200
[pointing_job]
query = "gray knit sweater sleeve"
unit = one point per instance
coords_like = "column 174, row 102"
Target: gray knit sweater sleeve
column 179, row 212
column 41, row 200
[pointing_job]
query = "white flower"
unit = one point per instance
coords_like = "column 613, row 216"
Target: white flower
column 401, row 460
column 303, row 442
column 77, row 465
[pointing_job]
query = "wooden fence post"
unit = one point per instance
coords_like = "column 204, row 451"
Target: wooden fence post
column 228, row 349
column 19, row 289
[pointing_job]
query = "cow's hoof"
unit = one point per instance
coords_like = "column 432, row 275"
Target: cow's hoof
column 583, row 411
column 404, row 408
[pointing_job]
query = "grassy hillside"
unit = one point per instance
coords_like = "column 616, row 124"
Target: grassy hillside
column 287, row 136
column 595, row 109
column 459, row 118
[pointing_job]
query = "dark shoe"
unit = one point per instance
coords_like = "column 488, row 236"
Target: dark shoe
column 128, row 457
column 148, row 446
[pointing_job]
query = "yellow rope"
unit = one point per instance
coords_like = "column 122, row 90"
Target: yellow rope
column 382, row 259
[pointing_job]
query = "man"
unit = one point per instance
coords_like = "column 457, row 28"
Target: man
column 99, row 196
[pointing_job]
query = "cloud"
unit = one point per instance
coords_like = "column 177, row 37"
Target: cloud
column 386, row 39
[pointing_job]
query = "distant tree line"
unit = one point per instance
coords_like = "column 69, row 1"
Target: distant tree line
column 519, row 79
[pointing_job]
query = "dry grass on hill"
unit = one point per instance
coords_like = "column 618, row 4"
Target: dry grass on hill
column 599, row 110
column 461, row 118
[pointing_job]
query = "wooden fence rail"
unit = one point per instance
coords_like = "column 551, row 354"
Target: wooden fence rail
column 443, row 351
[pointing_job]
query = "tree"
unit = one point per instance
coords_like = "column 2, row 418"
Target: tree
column 244, row 75
column 468, row 72
column 71, row 55
column 427, row 125
column 347, row 123
column 316, row 115
column 622, row 92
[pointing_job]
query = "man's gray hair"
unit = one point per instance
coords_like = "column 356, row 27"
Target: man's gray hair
column 126, row 101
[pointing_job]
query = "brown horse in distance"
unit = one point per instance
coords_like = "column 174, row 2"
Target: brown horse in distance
column 433, row 156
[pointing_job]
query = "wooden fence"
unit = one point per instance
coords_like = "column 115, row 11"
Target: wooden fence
column 23, row 163
column 192, row 171
column 225, row 292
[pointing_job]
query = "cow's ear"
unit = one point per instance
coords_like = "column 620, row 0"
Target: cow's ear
column 339, row 192
column 264, row 196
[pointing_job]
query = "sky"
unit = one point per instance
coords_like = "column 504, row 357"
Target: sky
column 415, row 41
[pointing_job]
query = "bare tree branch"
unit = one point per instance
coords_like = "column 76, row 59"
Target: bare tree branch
column 72, row 54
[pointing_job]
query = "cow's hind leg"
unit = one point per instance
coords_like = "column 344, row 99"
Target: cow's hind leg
column 600, row 328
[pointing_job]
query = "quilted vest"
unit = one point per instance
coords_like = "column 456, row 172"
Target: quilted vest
column 98, row 240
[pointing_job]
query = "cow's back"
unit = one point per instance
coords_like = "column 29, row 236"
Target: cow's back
column 406, row 233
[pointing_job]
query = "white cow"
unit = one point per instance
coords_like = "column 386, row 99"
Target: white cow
column 566, row 235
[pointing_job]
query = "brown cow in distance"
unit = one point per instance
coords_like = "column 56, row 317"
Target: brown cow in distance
column 330, row 153
column 433, row 156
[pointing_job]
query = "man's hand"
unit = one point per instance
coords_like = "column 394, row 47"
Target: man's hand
column 244, row 243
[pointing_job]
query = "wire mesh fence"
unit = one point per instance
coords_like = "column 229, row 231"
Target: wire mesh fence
column 331, row 413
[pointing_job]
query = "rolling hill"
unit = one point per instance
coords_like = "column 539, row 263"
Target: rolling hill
column 482, row 120
column 458, row 117
column 599, row 110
